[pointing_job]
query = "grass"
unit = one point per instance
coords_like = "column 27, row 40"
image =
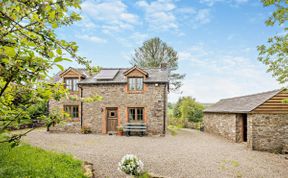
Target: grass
column 27, row 161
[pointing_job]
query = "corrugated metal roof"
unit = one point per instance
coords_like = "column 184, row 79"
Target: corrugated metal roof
column 242, row 104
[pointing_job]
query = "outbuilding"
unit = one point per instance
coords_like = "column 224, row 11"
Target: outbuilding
column 260, row 119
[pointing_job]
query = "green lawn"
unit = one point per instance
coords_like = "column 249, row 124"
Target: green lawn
column 28, row 161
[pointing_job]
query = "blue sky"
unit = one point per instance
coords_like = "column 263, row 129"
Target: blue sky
column 216, row 41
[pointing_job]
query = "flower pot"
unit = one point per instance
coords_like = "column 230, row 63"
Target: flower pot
column 120, row 133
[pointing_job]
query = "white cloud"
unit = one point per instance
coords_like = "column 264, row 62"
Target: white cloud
column 112, row 14
column 164, row 15
column 91, row 38
column 133, row 40
column 231, row 2
column 203, row 16
column 159, row 14
column 86, row 23
column 219, row 74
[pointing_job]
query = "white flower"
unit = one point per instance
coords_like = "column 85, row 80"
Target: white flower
column 131, row 165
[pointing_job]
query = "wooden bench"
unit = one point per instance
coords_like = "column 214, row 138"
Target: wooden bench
column 135, row 127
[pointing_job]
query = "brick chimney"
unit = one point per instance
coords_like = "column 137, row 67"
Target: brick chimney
column 163, row 65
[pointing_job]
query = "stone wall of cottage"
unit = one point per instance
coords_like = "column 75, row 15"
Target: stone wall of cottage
column 116, row 95
column 71, row 126
column 269, row 132
column 227, row 125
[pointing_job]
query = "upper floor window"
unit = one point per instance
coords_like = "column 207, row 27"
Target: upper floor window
column 71, row 83
column 135, row 84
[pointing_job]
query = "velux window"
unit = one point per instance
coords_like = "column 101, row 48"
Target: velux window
column 71, row 83
column 72, row 110
column 135, row 114
column 135, row 84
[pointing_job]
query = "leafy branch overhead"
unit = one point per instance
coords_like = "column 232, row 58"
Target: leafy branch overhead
column 274, row 54
column 155, row 52
column 29, row 48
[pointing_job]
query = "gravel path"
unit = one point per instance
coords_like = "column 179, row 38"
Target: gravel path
column 188, row 154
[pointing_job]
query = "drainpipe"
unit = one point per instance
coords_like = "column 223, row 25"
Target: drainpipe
column 81, row 113
column 164, row 108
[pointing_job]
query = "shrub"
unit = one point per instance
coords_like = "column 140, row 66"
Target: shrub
column 173, row 129
column 187, row 108
column 86, row 130
column 131, row 165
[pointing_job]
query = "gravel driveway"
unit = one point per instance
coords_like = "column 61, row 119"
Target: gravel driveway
column 188, row 154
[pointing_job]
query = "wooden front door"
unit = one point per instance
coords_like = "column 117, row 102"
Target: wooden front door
column 112, row 119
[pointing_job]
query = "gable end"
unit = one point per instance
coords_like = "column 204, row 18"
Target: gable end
column 274, row 105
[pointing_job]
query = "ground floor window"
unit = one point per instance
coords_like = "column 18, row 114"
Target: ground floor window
column 135, row 114
column 72, row 110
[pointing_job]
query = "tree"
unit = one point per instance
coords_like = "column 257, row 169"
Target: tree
column 274, row 54
column 29, row 48
column 155, row 52
column 188, row 109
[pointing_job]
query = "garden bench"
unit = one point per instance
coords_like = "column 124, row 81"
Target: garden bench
column 135, row 127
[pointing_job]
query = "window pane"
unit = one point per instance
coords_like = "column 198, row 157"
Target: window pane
column 75, row 111
column 75, row 86
column 68, row 83
column 132, row 84
column 140, row 114
column 131, row 114
column 139, row 83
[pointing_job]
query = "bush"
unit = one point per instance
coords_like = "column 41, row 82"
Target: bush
column 131, row 165
column 173, row 129
column 28, row 161
column 86, row 130
column 187, row 108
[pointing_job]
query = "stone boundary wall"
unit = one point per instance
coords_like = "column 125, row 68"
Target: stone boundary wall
column 67, row 127
column 221, row 124
column 269, row 132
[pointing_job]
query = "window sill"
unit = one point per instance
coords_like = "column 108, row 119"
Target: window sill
column 136, row 92
column 74, row 92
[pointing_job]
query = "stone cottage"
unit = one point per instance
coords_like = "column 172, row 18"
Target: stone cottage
column 261, row 120
column 129, row 95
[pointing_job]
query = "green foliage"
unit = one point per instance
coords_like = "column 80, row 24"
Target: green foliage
column 155, row 52
column 28, row 161
column 86, row 130
column 274, row 54
column 187, row 108
column 29, row 48
column 173, row 129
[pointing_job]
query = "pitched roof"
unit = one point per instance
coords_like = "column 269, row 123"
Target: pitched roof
column 158, row 75
column 155, row 75
column 242, row 104
column 81, row 71
column 136, row 68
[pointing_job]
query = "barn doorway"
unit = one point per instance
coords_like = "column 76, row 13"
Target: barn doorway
column 244, row 121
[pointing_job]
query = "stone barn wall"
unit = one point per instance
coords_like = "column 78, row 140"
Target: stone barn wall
column 269, row 132
column 221, row 124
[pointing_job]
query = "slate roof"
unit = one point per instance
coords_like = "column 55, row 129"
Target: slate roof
column 82, row 71
column 155, row 75
column 242, row 104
